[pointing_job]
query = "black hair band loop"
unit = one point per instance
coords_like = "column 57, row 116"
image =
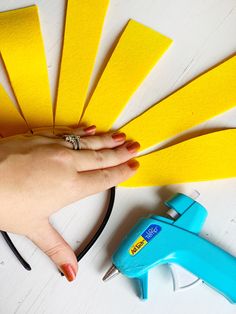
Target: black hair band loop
column 87, row 247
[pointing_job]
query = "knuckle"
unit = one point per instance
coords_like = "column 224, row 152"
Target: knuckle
column 39, row 151
column 62, row 154
column 122, row 171
column 99, row 158
column 116, row 158
column 120, row 154
column 84, row 143
column 106, row 139
column 54, row 250
column 106, row 177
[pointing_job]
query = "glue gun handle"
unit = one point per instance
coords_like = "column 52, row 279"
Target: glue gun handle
column 210, row 263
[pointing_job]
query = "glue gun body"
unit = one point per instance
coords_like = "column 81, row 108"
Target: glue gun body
column 158, row 240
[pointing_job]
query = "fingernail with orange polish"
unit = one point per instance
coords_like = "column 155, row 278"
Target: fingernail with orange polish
column 118, row 137
column 90, row 129
column 133, row 147
column 133, row 164
column 68, row 271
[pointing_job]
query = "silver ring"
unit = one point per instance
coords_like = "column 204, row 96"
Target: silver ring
column 73, row 139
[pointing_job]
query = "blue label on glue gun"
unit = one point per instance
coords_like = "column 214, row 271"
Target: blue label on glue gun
column 145, row 237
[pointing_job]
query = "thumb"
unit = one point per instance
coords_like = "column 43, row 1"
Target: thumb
column 59, row 251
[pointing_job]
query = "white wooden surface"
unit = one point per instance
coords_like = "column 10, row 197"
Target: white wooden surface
column 204, row 32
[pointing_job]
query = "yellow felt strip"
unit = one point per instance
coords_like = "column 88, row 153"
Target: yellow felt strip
column 136, row 53
column 208, row 95
column 207, row 157
column 22, row 50
column 84, row 21
column 11, row 122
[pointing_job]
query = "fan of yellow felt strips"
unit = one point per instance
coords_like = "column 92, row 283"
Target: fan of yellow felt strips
column 139, row 48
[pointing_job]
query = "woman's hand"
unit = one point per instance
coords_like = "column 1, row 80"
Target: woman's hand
column 40, row 174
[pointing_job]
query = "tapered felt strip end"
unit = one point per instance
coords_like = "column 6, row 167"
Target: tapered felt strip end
column 83, row 28
column 138, row 50
column 204, row 97
column 203, row 158
column 22, row 50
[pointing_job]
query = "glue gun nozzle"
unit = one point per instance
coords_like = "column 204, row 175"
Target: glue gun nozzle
column 111, row 273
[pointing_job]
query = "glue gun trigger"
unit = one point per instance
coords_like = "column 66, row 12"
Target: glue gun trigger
column 143, row 286
column 183, row 279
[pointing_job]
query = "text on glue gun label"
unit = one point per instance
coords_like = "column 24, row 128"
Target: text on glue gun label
column 145, row 237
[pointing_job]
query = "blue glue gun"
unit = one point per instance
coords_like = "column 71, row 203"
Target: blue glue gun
column 174, row 240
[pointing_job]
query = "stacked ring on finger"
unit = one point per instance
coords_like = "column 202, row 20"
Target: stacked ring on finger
column 73, row 139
